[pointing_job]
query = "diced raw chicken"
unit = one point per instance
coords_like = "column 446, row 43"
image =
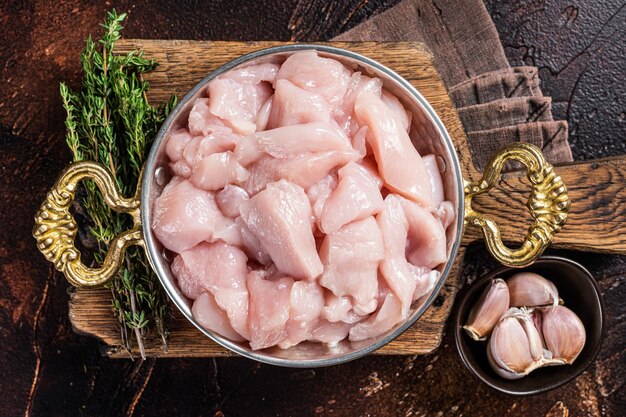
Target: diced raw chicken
column 251, row 244
column 323, row 76
column 430, row 162
column 427, row 237
column 307, row 301
column 201, row 120
column 445, row 213
column 228, row 232
column 270, row 301
column 263, row 116
column 394, row 228
column 400, row 165
column 359, row 84
column 176, row 143
column 237, row 103
column 294, row 105
column 217, row 171
column 303, row 170
column 351, row 257
column 280, row 217
column 206, row 312
column 180, row 168
column 382, row 321
column 247, row 150
column 201, row 147
column 230, row 199
column 319, row 192
column 220, row 269
column 369, row 164
column 184, row 216
column 254, row 74
column 330, row 333
column 356, row 197
column 425, row 280
column 287, row 141
column 359, row 142
column 336, row 308
column 402, row 116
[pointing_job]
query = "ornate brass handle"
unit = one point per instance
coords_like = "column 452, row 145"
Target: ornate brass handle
column 55, row 228
column 548, row 204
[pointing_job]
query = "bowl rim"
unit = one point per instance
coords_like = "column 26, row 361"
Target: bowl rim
column 150, row 240
column 458, row 328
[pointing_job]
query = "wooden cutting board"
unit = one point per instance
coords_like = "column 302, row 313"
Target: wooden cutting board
column 597, row 220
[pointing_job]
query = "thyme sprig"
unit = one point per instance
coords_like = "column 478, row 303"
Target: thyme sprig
column 111, row 122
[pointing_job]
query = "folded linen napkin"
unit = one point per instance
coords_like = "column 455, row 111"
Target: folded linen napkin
column 471, row 61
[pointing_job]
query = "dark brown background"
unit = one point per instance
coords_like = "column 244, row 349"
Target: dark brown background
column 46, row 369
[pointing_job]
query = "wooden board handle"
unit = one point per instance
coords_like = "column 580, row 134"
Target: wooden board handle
column 597, row 217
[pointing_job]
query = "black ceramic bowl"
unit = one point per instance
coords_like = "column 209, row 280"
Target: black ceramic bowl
column 581, row 294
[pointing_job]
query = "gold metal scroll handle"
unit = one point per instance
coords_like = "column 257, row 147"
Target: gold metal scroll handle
column 548, row 204
column 55, row 228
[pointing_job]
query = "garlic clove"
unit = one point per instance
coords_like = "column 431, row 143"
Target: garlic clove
column 563, row 332
column 534, row 337
column 531, row 290
column 509, row 351
column 486, row 313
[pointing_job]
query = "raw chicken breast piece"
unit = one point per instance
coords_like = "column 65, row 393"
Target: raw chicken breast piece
column 217, row 171
column 288, row 141
column 319, row 192
column 280, row 217
column 323, row 76
column 425, row 279
column 251, row 244
column 293, row 105
column 201, row 120
column 307, row 301
column 176, row 143
column 184, row 216
column 255, row 73
column 445, row 213
column 263, row 116
column 432, row 168
column 230, row 199
column 304, row 170
column 206, row 312
column 356, row 197
column 389, row 314
column 369, row 163
column 359, row 84
column 330, row 333
column 228, row 232
column 400, row 165
column 336, row 308
column 220, row 269
column 180, row 168
column 237, row 103
column 394, row 228
column 427, row 237
column 351, row 257
column 270, row 301
column 201, row 147
column 393, row 103
column 359, row 142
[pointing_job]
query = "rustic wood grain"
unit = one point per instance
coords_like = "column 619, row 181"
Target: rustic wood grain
column 181, row 65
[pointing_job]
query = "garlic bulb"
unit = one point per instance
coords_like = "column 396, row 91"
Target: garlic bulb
column 486, row 313
column 515, row 348
column 563, row 332
column 528, row 289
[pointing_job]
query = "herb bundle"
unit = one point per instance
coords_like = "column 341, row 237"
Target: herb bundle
column 111, row 122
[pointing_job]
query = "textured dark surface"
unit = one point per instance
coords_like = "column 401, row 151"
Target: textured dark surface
column 48, row 370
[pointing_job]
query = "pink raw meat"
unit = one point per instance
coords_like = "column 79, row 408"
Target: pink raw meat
column 294, row 105
column 217, row 171
column 201, row 120
column 323, row 76
column 330, row 333
column 307, row 300
column 200, row 147
column 230, row 199
column 251, row 244
column 237, row 103
column 220, row 269
column 351, row 257
column 288, row 141
column 270, row 301
column 392, row 102
column 184, row 216
column 382, row 321
column 176, row 143
column 427, row 237
column 430, row 162
column 359, row 84
column 206, row 312
column 400, row 165
column 319, row 192
column 255, row 73
column 262, row 118
column 356, row 197
column 336, row 308
column 445, row 213
column 280, row 217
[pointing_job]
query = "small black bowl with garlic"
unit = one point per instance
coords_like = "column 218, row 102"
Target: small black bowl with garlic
column 529, row 330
